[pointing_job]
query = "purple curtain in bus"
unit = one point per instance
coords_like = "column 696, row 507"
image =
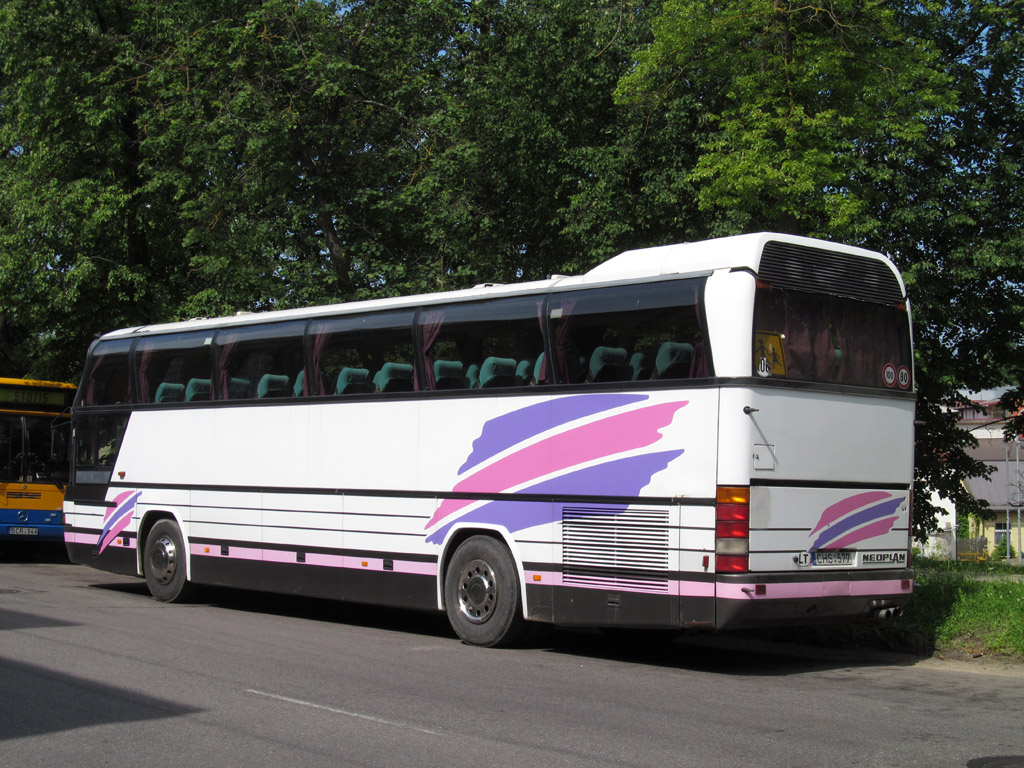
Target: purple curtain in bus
column 320, row 339
column 699, row 364
column 223, row 357
column 833, row 339
column 144, row 360
column 562, row 335
column 431, row 325
column 89, row 397
column 542, row 373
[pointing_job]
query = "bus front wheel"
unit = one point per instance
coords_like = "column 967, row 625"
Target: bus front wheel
column 163, row 563
column 481, row 593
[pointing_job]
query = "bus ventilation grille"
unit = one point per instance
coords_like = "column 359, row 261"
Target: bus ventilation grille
column 607, row 549
column 802, row 268
column 24, row 495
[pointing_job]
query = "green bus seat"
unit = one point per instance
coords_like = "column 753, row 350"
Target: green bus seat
column 498, row 372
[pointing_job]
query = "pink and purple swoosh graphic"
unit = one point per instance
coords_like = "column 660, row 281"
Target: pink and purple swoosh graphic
column 118, row 517
column 582, row 445
column 855, row 519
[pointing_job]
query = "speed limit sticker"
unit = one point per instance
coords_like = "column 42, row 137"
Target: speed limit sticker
column 903, row 377
column 889, row 375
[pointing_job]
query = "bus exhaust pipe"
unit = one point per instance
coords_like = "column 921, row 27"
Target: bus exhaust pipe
column 885, row 614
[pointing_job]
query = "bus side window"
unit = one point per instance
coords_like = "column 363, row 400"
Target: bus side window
column 673, row 360
column 166, row 364
column 348, row 354
column 98, row 441
column 107, row 378
column 629, row 333
column 483, row 344
column 258, row 361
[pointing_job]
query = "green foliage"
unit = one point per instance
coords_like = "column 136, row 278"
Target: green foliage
column 985, row 617
column 185, row 159
column 965, row 608
column 936, row 593
column 999, row 552
column 527, row 125
column 963, row 265
column 166, row 160
column 803, row 107
column 890, row 125
column 974, row 608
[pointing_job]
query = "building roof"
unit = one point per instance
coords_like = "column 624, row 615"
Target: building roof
column 992, row 447
column 994, row 489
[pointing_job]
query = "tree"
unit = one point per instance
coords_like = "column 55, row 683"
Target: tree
column 803, row 108
column 161, row 161
column 526, row 123
column 80, row 224
column 955, row 235
column 179, row 159
column 271, row 153
column 872, row 124
column 999, row 552
column 292, row 129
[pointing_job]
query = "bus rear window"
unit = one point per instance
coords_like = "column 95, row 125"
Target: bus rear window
column 831, row 339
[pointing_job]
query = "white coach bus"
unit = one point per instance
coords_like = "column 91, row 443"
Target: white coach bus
column 711, row 435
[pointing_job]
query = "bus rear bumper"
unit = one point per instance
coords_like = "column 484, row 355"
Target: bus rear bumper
column 760, row 600
column 32, row 531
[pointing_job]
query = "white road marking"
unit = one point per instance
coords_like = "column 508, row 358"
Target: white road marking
column 335, row 710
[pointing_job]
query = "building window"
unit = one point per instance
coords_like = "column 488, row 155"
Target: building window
column 1000, row 534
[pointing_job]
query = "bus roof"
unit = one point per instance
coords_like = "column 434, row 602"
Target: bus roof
column 735, row 252
column 8, row 382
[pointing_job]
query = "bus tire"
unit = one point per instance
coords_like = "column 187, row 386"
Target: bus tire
column 482, row 596
column 163, row 563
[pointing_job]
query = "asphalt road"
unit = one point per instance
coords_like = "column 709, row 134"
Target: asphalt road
column 93, row 672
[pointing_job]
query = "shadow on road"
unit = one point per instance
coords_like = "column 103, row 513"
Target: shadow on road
column 40, row 701
column 736, row 653
column 306, row 608
column 427, row 623
column 33, row 552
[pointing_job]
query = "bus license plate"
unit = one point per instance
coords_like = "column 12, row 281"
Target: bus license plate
column 833, row 558
column 18, row 531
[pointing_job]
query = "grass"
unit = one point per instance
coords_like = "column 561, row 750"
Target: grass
column 966, row 608
column 958, row 609
column 975, row 609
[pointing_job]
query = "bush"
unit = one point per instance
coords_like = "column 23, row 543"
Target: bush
column 999, row 553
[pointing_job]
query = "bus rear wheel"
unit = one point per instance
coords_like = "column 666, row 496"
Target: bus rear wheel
column 481, row 593
column 163, row 563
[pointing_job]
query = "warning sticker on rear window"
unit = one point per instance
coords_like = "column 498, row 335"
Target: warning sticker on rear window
column 769, row 358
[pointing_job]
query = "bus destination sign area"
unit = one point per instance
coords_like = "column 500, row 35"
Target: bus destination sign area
column 39, row 397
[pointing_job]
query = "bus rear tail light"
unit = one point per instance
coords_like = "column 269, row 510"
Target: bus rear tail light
column 732, row 529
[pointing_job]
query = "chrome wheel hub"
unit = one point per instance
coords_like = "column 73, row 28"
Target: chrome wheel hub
column 163, row 560
column 478, row 591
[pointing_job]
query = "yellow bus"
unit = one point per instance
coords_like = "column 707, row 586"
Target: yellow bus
column 32, row 473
